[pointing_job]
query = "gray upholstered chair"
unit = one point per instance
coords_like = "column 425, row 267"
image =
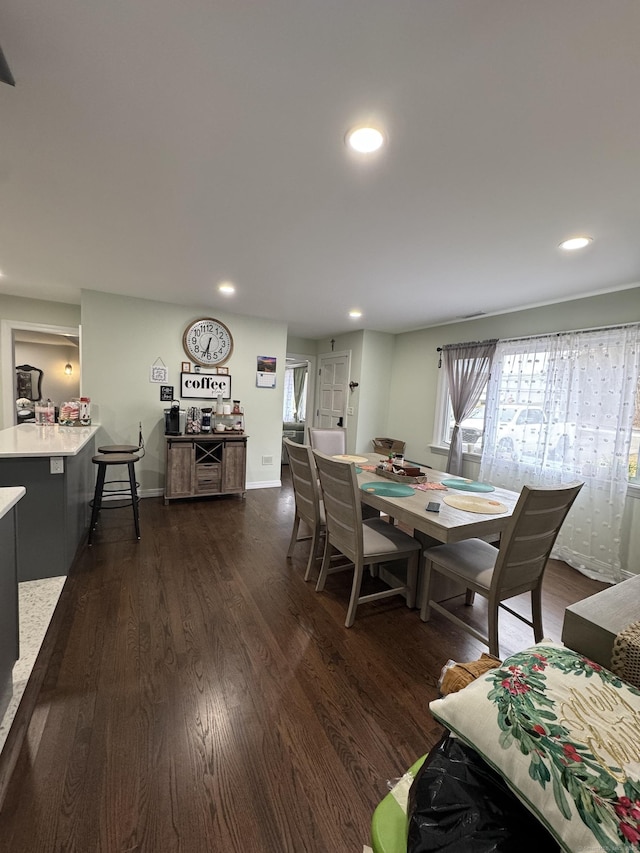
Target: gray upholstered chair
column 309, row 507
column 364, row 543
column 499, row 573
column 332, row 441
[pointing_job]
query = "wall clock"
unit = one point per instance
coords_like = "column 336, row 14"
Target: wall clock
column 207, row 342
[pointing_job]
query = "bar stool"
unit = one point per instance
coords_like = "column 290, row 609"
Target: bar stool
column 129, row 490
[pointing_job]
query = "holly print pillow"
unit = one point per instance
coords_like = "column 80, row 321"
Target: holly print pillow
column 565, row 734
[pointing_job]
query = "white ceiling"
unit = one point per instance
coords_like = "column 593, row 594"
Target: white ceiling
column 154, row 148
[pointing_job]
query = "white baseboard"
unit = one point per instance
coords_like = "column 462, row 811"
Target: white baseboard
column 158, row 493
column 265, row 484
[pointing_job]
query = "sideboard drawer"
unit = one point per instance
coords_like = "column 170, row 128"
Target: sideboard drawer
column 209, row 472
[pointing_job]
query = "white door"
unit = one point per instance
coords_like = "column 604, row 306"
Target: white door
column 333, row 385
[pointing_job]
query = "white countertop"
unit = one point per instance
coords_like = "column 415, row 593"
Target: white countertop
column 44, row 440
column 9, row 497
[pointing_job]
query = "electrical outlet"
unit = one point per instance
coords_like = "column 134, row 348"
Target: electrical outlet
column 350, row 410
column 267, row 460
column 56, row 465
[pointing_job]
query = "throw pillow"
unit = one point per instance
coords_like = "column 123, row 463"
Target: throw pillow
column 565, row 735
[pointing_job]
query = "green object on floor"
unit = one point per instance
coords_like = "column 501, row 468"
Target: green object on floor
column 389, row 821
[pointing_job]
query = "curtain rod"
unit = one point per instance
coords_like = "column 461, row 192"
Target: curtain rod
column 546, row 335
column 571, row 332
column 467, row 344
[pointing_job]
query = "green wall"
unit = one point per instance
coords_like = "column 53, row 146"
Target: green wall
column 122, row 337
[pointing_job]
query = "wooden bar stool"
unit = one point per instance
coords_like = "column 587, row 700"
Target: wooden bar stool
column 126, row 448
column 126, row 489
column 118, row 448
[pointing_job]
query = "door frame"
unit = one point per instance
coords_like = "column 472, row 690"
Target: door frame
column 7, row 358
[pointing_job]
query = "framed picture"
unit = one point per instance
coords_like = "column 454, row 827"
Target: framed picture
column 166, row 393
column 186, row 367
column 205, row 386
column 266, row 364
column 224, row 371
column 158, row 373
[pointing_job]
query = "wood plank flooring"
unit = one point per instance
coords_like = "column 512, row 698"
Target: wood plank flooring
column 197, row 695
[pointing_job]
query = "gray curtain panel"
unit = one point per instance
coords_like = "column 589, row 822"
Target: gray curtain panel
column 468, row 367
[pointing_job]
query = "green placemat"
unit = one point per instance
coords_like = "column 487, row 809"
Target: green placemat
column 389, row 490
column 468, row 485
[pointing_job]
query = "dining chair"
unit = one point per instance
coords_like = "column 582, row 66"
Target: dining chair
column 367, row 542
column 309, row 506
column 498, row 573
column 329, row 440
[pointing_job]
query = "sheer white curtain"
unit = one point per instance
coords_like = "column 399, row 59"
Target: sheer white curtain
column 560, row 409
column 295, row 393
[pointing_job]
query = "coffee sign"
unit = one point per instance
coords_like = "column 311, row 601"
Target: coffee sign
column 205, row 386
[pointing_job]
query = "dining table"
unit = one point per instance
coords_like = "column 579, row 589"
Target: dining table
column 450, row 523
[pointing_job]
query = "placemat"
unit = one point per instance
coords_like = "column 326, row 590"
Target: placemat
column 468, row 485
column 347, row 457
column 390, row 490
column 470, row 503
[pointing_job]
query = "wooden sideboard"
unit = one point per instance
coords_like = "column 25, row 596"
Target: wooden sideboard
column 199, row 465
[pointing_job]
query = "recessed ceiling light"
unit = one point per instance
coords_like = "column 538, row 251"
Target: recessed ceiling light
column 355, row 314
column 365, row 140
column 575, row 243
column 227, row 288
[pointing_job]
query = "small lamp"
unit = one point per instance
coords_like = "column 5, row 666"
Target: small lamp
column 68, row 369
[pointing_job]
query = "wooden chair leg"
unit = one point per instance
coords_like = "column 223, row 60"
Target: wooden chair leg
column 470, row 597
column 492, row 610
column 425, row 591
column 536, row 612
column 313, row 553
column 294, row 536
column 324, row 568
column 412, row 579
column 358, row 570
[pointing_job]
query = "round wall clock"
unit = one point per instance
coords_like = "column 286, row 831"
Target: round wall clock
column 207, row 342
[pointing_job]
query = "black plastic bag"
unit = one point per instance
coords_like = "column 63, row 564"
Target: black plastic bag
column 458, row 804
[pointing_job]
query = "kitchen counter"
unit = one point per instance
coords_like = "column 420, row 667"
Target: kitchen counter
column 54, row 464
column 9, row 497
column 28, row 440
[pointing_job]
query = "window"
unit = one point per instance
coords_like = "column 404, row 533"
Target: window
column 472, row 427
column 527, row 419
column 289, row 412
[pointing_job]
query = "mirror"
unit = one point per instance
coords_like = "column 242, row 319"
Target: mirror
column 28, row 382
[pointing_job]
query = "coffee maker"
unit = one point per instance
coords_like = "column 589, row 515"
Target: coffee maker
column 174, row 419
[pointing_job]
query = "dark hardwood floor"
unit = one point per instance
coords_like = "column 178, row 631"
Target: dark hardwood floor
column 197, row 695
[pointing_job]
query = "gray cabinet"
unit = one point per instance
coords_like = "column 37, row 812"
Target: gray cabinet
column 53, row 517
column 9, row 633
column 199, row 465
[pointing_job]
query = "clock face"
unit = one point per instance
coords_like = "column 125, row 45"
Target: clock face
column 207, row 342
